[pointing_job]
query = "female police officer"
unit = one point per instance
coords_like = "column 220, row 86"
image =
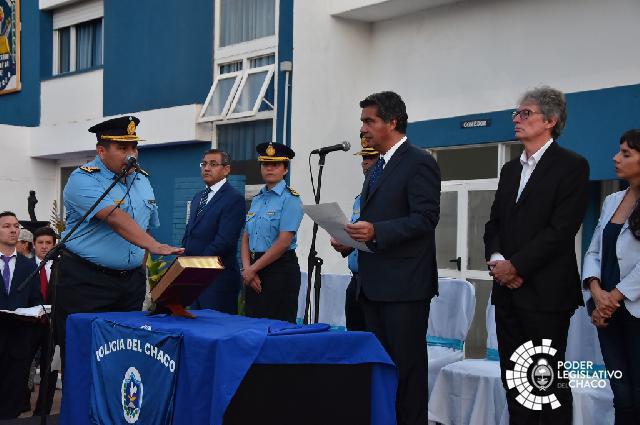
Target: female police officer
column 270, row 267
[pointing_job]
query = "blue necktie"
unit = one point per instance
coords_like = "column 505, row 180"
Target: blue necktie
column 376, row 171
column 203, row 201
column 6, row 273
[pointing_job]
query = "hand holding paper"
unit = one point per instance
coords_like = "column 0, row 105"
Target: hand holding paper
column 332, row 219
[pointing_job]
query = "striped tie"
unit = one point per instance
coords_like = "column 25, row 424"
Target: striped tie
column 375, row 173
column 203, row 201
column 6, row 273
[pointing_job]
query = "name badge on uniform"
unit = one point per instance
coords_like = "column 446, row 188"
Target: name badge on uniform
column 270, row 213
column 356, row 212
column 151, row 201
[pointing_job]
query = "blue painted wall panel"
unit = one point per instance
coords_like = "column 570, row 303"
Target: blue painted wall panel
column 157, row 54
column 23, row 108
column 285, row 53
column 596, row 119
column 46, row 45
column 175, row 178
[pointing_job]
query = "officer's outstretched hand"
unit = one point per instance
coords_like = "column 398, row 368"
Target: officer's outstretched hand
column 164, row 249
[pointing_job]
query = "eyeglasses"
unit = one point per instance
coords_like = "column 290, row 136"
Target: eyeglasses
column 523, row 113
column 211, row 164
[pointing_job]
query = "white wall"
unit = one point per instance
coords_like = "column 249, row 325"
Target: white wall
column 330, row 75
column 71, row 98
column 462, row 58
column 20, row 174
column 158, row 126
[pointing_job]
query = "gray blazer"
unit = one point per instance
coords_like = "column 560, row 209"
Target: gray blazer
column 627, row 251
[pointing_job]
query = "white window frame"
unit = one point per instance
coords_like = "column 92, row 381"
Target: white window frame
column 206, row 118
column 69, row 17
column 265, row 84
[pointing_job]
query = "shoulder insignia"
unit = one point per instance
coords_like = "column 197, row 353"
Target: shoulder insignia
column 293, row 192
column 143, row 172
column 90, row 170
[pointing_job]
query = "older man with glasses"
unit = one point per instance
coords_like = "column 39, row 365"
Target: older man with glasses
column 529, row 244
column 215, row 222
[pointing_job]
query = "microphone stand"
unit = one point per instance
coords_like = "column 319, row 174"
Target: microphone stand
column 314, row 264
column 55, row 254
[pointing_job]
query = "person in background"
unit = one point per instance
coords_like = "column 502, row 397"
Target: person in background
column 530, row 246
column 17, row 337
column 25, row 243
column 352, row 309
column 215, row 222
column 611, row 272
column 44, row 239
column 270, row 269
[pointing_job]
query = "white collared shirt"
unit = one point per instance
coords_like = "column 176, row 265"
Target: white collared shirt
column 12, row 268
column 215, row 188
column 387, row 156
column 47, row 267
column 529, row 164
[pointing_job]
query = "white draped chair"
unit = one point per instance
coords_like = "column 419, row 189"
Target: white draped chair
column 591, row 406
column 450, row 317
column 470, row 391
column 332, row 296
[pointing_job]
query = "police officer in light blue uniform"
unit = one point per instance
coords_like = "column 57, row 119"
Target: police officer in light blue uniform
column 353, row 311
column 271, row 272
column 101, row 265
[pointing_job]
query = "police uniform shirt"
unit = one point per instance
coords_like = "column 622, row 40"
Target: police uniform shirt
column 95, row 240
column 352, row 259
column 273, row 211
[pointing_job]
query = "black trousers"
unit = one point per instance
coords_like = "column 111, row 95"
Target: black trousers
column 84, row 289
column 46, row 355
column 620, row 346
column 18, row 342
column 352, row 308
column 516, row 326
column 401, row 327
column 280, row 287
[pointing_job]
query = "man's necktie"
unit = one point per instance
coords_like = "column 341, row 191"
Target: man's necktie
column 6, row 273
column 375, row 173
column 203, row 201
column 44, row 282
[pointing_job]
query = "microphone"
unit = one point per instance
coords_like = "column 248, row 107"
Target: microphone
column 344, row 146
column 131, row 161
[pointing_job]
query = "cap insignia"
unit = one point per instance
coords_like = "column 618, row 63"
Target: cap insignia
column 131, row 128
column 270, row 151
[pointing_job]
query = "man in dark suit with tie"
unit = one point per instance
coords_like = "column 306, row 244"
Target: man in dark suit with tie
column 400, row 208
column 215, row 222
column 17, row 337
column 530, row 246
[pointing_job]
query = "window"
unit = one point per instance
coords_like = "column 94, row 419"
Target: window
column 474, row 162
column 240, row 141
column 241, row 89
column 79, row 46
column 245, row 20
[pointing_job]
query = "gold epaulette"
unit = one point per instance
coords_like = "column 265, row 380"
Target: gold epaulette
column 90, row 170
column 144, row 173
column 293, row 192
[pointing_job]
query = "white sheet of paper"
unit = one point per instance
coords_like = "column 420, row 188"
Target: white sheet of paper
column 35, row 311
column 332, row 219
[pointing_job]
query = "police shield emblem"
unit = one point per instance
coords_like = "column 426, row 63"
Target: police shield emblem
column 131, row 395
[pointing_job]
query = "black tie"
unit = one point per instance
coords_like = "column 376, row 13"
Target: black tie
column 375, row 173
column 203, row 201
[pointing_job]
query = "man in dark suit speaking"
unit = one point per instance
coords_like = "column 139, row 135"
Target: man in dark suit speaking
column 215, row 222
column 530, row 245
column 17, row 337
column 400, row 208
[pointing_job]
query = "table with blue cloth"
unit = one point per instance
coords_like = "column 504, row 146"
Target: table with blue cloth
column 216, row 353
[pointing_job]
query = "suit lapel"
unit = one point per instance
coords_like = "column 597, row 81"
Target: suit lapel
column 387, row 171
column 539, row 173
column 211, row 202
